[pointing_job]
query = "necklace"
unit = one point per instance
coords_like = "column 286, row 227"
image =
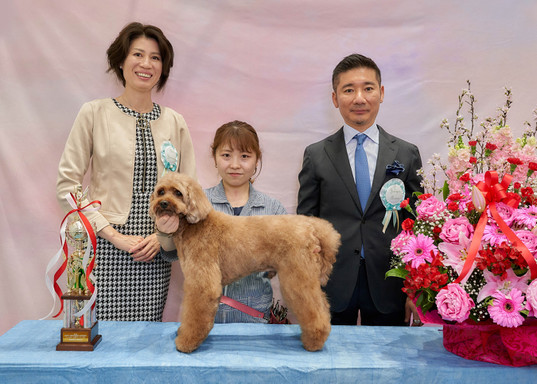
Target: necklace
column 123, row 100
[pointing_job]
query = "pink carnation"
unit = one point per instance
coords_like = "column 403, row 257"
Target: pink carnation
column 454, row 227
column 430, row 209
column 506, row 212
column 400, row 241
column 453, row 303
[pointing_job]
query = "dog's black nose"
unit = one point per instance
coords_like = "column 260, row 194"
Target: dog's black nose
column 164, row 204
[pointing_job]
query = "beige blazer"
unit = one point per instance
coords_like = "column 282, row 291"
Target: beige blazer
column 103, row 139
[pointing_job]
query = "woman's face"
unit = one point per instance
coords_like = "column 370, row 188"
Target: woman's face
column 235, row 167
column 143, row 65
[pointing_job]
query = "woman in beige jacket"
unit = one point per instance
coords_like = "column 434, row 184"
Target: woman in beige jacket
column 126, row 144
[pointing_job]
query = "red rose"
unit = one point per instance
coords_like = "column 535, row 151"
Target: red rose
column 455, row 196
column 473, row 160
column 424, row 196
column 437, row 230
column 532, row 166
column 453, row 206
column 472, row 143
column 526, row 192
column 514, row 160
column 404, row 203
column 517, row 185
column 407, row 224
column 465, row 177
column 491, row 147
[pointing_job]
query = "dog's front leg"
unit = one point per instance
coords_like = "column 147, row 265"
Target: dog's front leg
column 202, row 292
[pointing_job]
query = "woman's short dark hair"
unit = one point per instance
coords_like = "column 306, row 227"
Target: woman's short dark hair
column 238, row 135
column 119, row 49
column 351, row 62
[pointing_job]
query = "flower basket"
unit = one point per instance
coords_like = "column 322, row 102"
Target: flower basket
column 492, row 343
column 469, row 259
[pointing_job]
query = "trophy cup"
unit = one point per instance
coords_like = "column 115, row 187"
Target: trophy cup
column 80, row 326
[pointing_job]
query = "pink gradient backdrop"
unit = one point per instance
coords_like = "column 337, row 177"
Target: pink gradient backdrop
column 265, row 62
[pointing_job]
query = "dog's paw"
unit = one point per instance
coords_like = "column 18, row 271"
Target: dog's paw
column 185, row 347
column 313, row 340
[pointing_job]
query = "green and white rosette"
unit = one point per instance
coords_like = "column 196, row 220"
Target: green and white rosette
column 169, row 157
column 392, row 195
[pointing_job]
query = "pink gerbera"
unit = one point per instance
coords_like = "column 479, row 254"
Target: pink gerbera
column 505, row 308
column 418, row 250
column 493, row 235
column 526, row 216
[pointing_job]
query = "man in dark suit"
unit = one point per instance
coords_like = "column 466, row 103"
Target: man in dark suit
column 335, row 172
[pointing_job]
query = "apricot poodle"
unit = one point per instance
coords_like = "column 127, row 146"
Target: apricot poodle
column 216, row 249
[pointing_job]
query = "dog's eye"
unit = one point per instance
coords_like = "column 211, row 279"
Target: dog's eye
column 160, row 192
column 178, row 193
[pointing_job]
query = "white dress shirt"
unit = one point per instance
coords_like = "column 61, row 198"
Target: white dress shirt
column 371, row 147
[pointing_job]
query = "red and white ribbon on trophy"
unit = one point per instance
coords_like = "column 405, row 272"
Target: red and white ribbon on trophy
column 87, row 265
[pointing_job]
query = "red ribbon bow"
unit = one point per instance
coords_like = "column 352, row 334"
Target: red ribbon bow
column 495, row 192
column 89, row 268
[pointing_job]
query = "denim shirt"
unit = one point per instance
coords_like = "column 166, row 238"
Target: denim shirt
column 254, row 290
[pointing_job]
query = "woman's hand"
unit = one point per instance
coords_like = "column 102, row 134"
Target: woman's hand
column 140, row 249
column 146, row 250
column 119, row 240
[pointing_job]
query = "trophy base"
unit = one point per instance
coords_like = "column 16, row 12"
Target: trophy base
column 79, row 339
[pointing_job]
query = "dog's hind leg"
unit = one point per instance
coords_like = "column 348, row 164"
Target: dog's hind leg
column 302, row 292
column 200, row 303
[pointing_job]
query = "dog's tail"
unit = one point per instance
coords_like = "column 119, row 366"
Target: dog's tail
column 330, row 240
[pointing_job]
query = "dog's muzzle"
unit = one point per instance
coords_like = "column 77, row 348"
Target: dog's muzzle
column 164, row 204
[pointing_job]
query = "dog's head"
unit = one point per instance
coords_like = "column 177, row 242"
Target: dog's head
column 179, row 194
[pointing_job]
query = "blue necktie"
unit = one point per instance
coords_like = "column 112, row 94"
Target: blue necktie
column 361, row 169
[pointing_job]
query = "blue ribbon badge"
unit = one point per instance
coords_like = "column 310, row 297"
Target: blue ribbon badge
column 169, row 157
column 392, row 195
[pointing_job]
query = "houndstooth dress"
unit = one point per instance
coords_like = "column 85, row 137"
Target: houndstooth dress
column 130, row 290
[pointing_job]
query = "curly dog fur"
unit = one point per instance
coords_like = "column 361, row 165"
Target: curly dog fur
column 216, row 249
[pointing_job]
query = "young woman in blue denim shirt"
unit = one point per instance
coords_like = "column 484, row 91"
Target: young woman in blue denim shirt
column 237, row 156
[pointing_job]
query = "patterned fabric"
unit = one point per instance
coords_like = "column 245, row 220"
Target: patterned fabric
column 129, row 290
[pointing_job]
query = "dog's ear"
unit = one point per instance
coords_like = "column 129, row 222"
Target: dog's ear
column 198, row 204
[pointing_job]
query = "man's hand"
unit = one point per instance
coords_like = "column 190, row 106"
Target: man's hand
column 410, row 309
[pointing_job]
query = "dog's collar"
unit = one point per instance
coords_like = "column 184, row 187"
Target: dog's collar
column 162, row 234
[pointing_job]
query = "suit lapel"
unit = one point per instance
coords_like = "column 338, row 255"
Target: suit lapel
column 387, row 154
column 337, row 153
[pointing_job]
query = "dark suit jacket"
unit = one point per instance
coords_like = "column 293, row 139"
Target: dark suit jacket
column 328, row 190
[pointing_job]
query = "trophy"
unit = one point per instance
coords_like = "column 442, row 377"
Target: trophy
column 80, row 326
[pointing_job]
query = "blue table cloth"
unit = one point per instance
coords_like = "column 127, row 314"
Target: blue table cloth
column 144, row 352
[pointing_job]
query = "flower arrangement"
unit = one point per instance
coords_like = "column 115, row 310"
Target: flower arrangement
column 470, row 255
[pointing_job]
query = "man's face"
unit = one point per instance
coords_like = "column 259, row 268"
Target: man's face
column 358, row 96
